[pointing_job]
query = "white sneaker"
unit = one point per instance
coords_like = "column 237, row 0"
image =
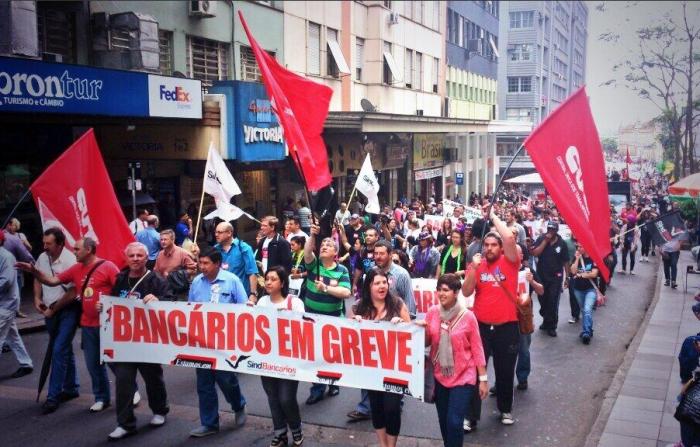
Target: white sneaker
column 137, row 398
column 241, row 418
column 632, row 272
column 120, row 433
column 507, row 419
column 98, row 406
column 157, row 420
column 621, row 271
column 467, row 426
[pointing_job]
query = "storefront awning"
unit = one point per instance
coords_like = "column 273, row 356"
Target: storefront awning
column 388, row 122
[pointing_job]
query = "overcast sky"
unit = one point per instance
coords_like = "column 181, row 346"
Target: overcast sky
column 616, row 105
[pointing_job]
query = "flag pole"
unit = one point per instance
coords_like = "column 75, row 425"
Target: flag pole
column 500, row 182
column 352, row 194
column 12, row 213
column 199, row 214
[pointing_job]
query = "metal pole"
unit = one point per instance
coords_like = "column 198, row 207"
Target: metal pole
column 133, row 189
column 500, row 182
column 19, row 202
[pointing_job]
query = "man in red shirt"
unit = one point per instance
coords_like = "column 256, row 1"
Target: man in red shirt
column 92, row 277
column 495, row 281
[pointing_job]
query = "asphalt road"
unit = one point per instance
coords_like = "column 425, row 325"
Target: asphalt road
column 567, row 385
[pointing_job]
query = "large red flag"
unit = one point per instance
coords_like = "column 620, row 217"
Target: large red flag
column 301, row 106
column 76, row 195
column 566, row 151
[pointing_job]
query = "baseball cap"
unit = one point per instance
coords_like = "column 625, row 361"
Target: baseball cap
column 355, row 216
column 424, row 235
column 552, row 225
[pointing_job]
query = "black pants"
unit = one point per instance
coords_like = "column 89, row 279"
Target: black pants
column 282, row 398
column 632, row 253
column 386, row 411
column 575, row 308
column 125, row 374
column 549, row 302
column 501, row 342
column 671, row 265
column 646, row 243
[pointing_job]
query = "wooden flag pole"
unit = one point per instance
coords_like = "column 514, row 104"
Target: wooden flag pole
column 199, row 215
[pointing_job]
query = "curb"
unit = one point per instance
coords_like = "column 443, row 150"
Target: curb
column 31, row 326
column 618, row 381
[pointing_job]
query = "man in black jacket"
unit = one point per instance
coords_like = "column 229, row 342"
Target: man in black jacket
column 272, row 248
column 137, row 282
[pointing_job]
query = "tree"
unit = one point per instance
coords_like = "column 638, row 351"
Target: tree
column 609, row 145
column 665, row 71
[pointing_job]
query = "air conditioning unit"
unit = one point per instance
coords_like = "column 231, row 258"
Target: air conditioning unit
column 419, row 112
column 474, row 44
column 393, row 18
column 202, row 8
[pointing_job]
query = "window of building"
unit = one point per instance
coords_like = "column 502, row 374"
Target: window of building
column 578, row 58
column 417, row 10
column 518, row 114
column 519, row 84
column 465, row 32
column 562, row 15
column 336, row 63
column 436, row 15
column 545, row 56
column 408, row 68
column 391, row 70
column 165, row 51
column 436, row 74
column 56, row 32
column 520, row 52
column 250, row 71
column 577, row 79
column 521, row 19
column 313, row 49
column 559, row 68
column 418, row 72
column 207, row 60
column 560, row 40
column 359, row 57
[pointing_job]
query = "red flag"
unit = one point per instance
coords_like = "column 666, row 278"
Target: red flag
column 76, row 195
column 301, row 106
column 566, row 151
column 628, row 160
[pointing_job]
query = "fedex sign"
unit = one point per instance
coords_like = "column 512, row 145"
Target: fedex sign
column 174, row 97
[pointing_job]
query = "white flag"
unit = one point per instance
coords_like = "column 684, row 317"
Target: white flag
column 218, row 181
column 368, row 185
column 225, row 211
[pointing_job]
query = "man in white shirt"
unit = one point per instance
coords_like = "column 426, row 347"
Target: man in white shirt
column 342, row 216
column 139, row 223
column 294, row 229
column 61, row 323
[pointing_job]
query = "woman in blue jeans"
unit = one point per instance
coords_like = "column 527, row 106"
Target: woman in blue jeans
column 452, row 332
column 584, row 271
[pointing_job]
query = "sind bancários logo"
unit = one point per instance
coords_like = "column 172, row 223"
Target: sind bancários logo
column 178, row 95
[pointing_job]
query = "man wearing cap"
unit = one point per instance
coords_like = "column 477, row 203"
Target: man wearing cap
column 552, row 256
column 424, row 257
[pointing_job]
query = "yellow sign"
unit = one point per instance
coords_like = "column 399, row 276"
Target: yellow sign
column 428, row 150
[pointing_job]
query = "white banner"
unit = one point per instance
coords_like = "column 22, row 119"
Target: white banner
column 472, row 214
column 425, row 294
column 267, row 342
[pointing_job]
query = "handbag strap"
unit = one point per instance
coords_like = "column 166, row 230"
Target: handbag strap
column 87, row 278
column 139, row 281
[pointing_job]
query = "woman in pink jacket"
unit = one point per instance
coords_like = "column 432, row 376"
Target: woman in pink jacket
column 452, row 333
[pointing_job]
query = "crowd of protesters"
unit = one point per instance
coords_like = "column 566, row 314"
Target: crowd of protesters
column 370, row 259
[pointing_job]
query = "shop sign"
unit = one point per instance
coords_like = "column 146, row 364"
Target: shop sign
column 254, row 134
column 459, row 177
column 396, row 155
column 174, row 97
column 428, row 173
column 40, row 87
column 428, row 150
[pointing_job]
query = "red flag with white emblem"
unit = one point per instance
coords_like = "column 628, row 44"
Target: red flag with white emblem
column 76, row 195
column 566, row 151
column 301, row 106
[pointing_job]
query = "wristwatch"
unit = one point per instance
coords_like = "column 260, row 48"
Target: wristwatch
column 484, row 378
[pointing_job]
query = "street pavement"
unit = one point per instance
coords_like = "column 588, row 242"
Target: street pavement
column 567, row 387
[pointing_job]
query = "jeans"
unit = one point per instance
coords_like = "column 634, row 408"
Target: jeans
column 282, row 398
column 502, row 342
column 317, row 389
column 671, row 265
column 63, row 377
column 90, row 340
column 209, row 400
column 586, row 300
column 575, row 308
column 363, row 404
column 452, row 405
column 646, row 243
column 125, row 374
column 549, row 302
column 10, row 335
column 386, row 411
column 625, row 251
column 522, row 367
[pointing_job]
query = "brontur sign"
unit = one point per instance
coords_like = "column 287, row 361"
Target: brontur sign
column 33, row 86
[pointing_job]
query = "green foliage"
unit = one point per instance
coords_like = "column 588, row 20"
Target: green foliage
column 689, row 210
column 609, row 145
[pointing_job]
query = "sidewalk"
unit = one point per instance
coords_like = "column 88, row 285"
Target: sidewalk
column 34, row 321
column 642, row 413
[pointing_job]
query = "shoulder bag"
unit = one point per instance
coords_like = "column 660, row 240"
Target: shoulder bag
column 526, row 322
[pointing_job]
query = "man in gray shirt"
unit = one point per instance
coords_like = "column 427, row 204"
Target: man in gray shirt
column 9, row 305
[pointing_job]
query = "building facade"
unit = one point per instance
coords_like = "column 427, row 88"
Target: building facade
column 543, row 44
column 640, row 139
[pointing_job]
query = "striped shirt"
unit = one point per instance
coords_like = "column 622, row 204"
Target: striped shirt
column 319, row 302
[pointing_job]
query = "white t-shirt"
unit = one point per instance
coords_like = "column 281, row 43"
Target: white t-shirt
column 343, row 218
column 137, row 225
column 65, row 260
column 264, row 253
column 297, row 304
